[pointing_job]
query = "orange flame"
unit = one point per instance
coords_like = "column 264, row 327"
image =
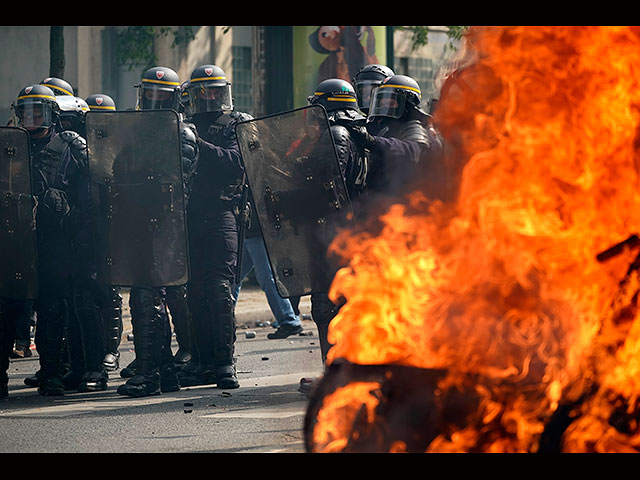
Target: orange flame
column 503, row 285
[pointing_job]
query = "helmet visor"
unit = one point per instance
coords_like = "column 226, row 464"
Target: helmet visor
column 33, row 113
column 364, row 91
column 210, row 97
column 155, row 97
column 387, row 102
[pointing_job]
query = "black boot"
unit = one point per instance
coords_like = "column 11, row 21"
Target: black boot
column 93, row 381
column 147, row 311
column 130, row 370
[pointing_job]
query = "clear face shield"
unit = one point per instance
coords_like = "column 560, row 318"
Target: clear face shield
column 33, row 114
column 364, row 91
column 156, row 97
column 205, row 97
column 386, row 102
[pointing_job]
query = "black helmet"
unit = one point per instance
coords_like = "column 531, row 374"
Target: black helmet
column 59, row 86
column 209, row 90
column 35, row 108
column 100, row 102
column 72, row 112
column 159, row 89
column 394, row 96
column 369, row 77
column 334, row 94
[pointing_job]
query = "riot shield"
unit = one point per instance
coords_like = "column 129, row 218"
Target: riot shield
column 137, row 197
column 299, row 195
column 18, row 267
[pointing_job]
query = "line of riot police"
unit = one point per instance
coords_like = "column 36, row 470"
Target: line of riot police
column 108, row 213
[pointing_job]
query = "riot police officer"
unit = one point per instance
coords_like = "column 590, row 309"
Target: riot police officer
column 154, row 368
column 216, row 200
column 112, row 325
column 339, row 99
column 60, row 184
column 403, row 143
column 366, row 80
column 83, row 340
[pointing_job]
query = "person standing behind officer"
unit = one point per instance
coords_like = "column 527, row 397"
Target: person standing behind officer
column 112, row 325
column 154, row 367
column 255, row 257
column 338, row 97
column 58, row 86
column 58, row 173
column 216, row 201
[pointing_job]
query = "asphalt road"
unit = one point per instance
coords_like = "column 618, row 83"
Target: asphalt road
column 265, row 414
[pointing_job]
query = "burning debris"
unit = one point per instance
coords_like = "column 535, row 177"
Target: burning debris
column 505, row 320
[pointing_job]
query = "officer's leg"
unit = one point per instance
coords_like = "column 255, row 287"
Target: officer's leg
column 89, row 315
column 199, row 371
column 322, row 312
column 181, row 319
column 52, row 314
column 74, row 350
column 224, row 334
column 147, row 308
column 8, row 320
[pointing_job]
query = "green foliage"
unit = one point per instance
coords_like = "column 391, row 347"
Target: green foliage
column 135, row 43
column 420, row 35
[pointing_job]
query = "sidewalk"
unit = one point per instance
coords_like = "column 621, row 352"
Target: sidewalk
column 252, row 308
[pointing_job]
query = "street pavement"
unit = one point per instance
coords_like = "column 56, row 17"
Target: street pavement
column 264, row 415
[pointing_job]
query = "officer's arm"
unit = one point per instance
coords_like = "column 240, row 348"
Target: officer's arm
column 226, row 158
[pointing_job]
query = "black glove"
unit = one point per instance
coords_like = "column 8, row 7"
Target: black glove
column 360, row 134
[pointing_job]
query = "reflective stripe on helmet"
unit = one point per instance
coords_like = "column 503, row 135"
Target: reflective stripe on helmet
column 405, row 87
column 202, row 79
column 341, row 99
column 162, row 82
column 36, row 96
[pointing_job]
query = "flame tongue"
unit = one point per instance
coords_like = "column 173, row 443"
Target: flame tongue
column 504, row 284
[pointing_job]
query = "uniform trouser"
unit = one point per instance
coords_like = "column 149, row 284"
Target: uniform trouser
column 10, row 310
column 52, row 308
column 24, row 322
column 213, row 247
column 180, row 315
column 322, row 311
column 85, row 319
column 151, row 329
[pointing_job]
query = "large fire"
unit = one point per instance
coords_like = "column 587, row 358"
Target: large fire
column 512, row 288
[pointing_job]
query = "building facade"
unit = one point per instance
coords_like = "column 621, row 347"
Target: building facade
column 271, row 68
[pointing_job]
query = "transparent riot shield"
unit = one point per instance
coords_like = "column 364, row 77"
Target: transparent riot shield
column 137, row 197
column 18, row 267
column 299, row 195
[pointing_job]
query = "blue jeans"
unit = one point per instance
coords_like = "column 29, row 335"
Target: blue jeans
column 254, row 256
